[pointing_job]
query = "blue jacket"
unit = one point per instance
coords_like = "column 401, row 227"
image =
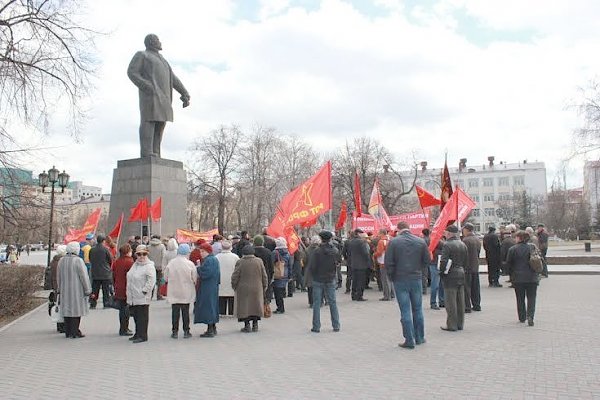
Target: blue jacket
column 284, row 255
column 406, row 257
column 206, row 308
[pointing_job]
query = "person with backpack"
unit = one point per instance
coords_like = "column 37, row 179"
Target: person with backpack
column 524, row 279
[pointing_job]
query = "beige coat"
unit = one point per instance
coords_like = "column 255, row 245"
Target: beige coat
column 249, row 280
column 180, row 273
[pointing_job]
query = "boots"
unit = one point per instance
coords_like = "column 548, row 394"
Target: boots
column 254, row 326
column 210, row 331
column 246, row 328
column 187, row 335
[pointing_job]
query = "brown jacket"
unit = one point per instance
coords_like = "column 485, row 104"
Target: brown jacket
column 249, row 280
column 473, row 248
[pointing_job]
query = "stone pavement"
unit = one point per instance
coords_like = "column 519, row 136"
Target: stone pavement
column 494, row 358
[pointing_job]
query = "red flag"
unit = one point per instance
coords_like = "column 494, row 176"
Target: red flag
column 139, row 212
column 305, row 203
column 377, row 210
column 116, row 231
column 156, row 210
column 446, row 186
column 459, row 206
column 357, row 195
column 309, row 223
column 426, row 199
column 90, row 225
column 342, row 217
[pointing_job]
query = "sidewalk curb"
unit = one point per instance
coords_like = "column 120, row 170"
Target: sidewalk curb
column 5, row 327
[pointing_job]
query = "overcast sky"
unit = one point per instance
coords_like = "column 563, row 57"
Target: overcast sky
column 473, row 78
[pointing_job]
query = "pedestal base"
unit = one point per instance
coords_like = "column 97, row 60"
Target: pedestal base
column 150, row 178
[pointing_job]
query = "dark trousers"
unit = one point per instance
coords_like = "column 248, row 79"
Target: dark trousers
column 140, row 315
column 523, row 290
column 279, row 295
column 226, row 305
column 159, row 276
column 475, row 292
column 105, row 284
column 291, row 287
column 467, row 290
column 359, row 278
column 184, row 310
column 310, row 299
column 493, row 271
column 123, row 315
column 348, row 278
column 72, row 326
column 545, row 270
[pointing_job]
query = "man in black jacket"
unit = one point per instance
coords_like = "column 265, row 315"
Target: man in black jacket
column 453, row 279
column 359, row 261
column 101, row 261
column 323, row 263
column 491, row 244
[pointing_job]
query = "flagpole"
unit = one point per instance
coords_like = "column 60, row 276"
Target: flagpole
column 160, row 226
column 457, row 217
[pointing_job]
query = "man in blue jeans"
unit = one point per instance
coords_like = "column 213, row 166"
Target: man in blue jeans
column 323, row 266
column 406, row 257
column 437, row 289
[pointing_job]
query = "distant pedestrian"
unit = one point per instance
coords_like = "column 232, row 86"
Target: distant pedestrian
column 387, row 285
column 206, row 308
column 156, row 253
column 452, row 273
column 472, row 285
column 180, row 276
column 249, row 281
column 359, row 256
column 406, row 257
column 323, row 267
column 120, row 268
column 491, row 244
column 281, row 254
column 73, row 288
column 524, row 279
column 141, row 279
column 542, row 236
column 171, row 251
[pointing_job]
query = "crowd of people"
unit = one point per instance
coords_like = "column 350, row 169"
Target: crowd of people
column 241, row 276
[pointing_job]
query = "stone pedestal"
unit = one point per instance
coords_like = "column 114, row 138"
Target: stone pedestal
column 150, row 178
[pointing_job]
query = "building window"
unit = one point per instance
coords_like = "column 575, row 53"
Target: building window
column 475, row 212
column 503, row 181
column 503, row 196
column 519, row 180
column 473, row 183
column 474, row 197
column 488, row 182
column 488, row 197
column 489, row 212
column 477, row 227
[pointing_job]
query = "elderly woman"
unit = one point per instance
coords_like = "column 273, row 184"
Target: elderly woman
column 281, row 255
column 206, row 309
column 73, row 288
column 180, row 274
column 524, row 279
column 141, row 279
column 171, row 252
column 249, row 280
column 61, row 250
column 120, row 268
column 227, row 261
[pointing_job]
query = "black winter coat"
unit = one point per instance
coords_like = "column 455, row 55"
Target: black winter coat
column 517, row 263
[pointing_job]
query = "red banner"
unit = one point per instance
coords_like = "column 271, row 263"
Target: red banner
column 116, row 232
column 376, row 209
column 90, row 225
column 139, row 212
column 155, row 210
column 417, row 222
column 426, row 199
column 446, row 187
column 357, row 195
column 342, row 217
column 189, row 236
column 458, row 208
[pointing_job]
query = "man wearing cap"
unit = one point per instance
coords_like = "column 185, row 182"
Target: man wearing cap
column 101, row 261
column 359, row 260
column 472, row 291
column 491, row 244
column 324, row 271
column 406, row 257
column 452, row 273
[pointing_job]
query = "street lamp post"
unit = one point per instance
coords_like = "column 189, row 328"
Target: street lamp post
column 51, row 179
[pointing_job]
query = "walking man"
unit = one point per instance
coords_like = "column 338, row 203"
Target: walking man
column 324, row 271
column 452, row 272
column 406, row 257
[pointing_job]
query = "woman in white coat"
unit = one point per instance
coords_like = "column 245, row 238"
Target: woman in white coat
column 227, row 261
column 141, row 279
column 180, row 275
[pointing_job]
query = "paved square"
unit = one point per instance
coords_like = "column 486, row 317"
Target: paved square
column 494, row 358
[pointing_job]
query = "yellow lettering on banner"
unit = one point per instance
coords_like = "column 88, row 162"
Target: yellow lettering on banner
column 315, row 210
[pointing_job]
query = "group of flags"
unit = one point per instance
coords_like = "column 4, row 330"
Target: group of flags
column 141, row 212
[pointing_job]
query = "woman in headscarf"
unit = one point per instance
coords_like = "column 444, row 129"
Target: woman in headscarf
column 61, row 250
column 249, row 280
column 206, row 309
column 141, row 279
column 171, row 251
column 281, row 255
column 120, row 268
column 73, row 288
column 180, row 275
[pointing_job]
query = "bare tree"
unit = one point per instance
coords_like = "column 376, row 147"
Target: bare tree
column 215, row 160
column 587, row 138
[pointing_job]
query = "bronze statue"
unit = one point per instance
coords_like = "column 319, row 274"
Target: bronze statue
column 153, row 76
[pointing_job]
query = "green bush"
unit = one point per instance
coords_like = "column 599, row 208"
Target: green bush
column 17, row 286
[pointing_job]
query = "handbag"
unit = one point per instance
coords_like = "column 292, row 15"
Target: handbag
column 535, row 259
column 56, row 311
column 279, row 268
column 162, row 290
column 267, row 310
